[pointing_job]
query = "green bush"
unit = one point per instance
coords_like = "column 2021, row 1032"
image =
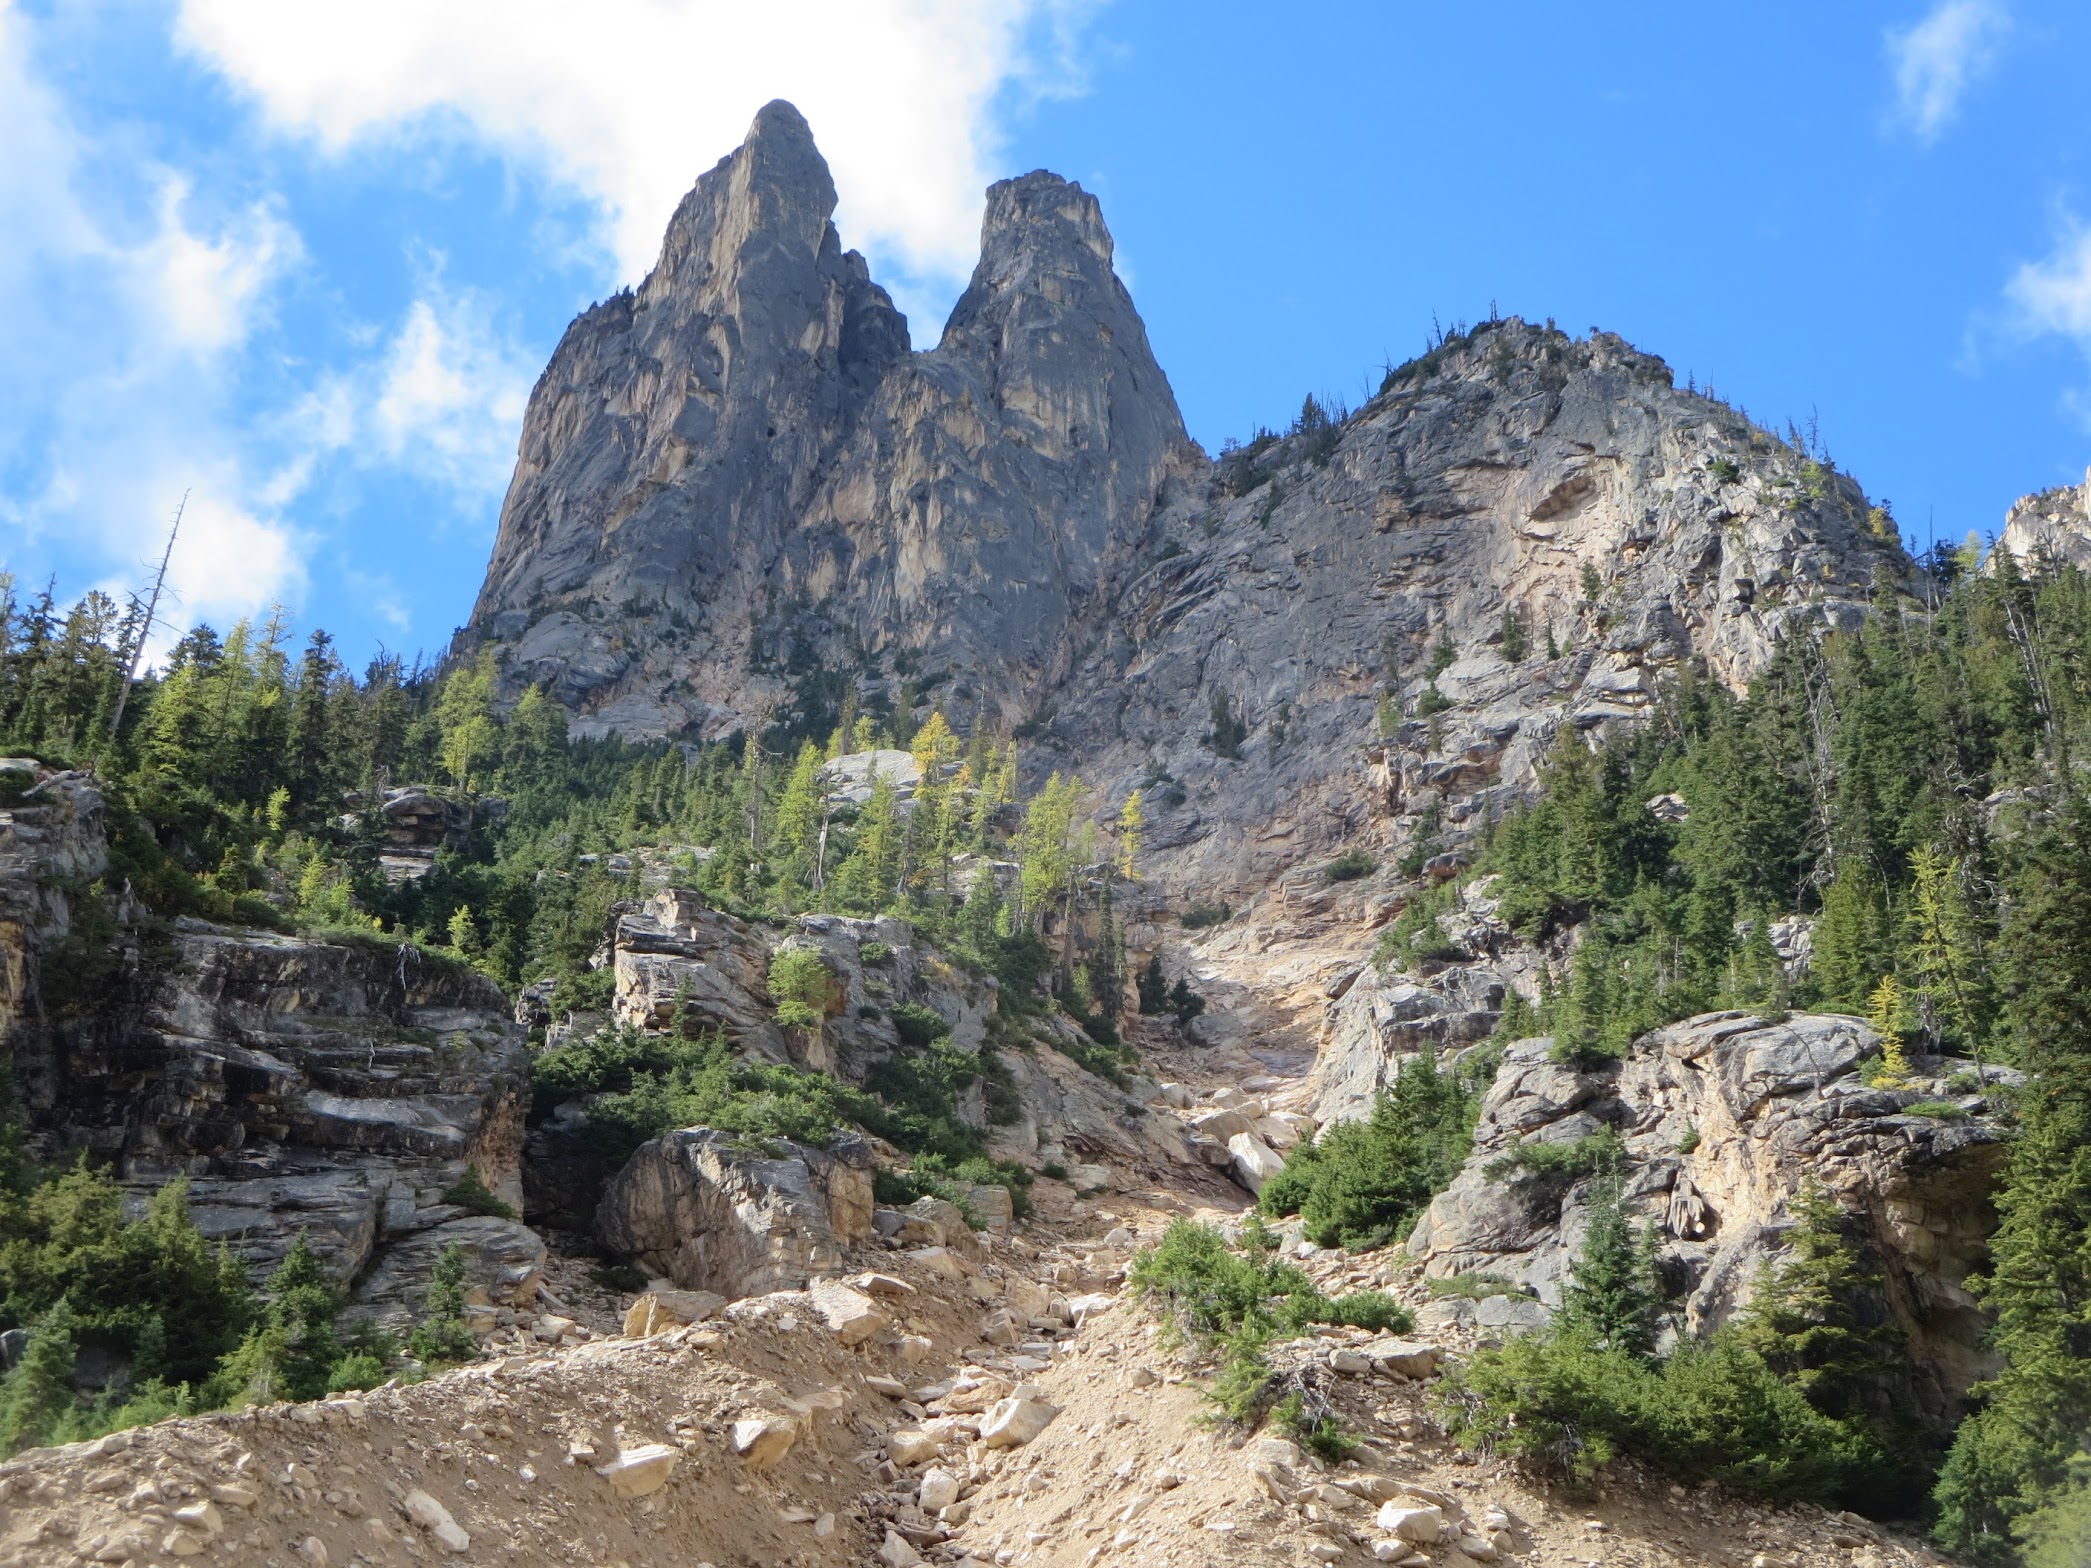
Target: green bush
column 1199, row 916
column 1240, row 1301
column 918, row 1025
column 1349, row 866
column 1362, row 1184
column 355, row 1372
column 1565, row 1159
column 1937, row 1110
column 1373, row 1309
column 1714, row 1412
column 472, row 1194
column 1787, row 1402
column 153, row 1289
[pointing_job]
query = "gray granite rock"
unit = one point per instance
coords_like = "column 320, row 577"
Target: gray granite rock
column 1723, row 1118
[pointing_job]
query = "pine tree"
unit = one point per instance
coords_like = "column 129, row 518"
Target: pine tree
column 38, row 1394
column 1613, row 1295
column 2012, row 1455
column 442, row 1336
column 1818, row 1317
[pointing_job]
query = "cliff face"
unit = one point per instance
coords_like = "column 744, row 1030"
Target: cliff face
column 1628, row 526
column 742, row 462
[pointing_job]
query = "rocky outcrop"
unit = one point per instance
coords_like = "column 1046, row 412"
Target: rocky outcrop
column 1722, row 1119
column 51, row 848
column 742, row 461
column 300, row 1086
column 706, row 1215
column 2051, row 526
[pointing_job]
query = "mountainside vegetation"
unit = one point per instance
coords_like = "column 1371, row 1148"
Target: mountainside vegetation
column 1911, row 786
column 245, row 784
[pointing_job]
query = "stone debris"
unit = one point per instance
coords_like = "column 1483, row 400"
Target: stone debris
column 1015, row 1422
column 432, row 1516
column 664, row 1308
column 636, row 1472
column 761, row 1441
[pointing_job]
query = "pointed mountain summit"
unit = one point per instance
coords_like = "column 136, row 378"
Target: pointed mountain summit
column 741, row 465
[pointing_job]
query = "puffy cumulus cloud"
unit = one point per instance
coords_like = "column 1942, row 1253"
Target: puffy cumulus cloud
column 630, row 100
column 1938, row 58
column 230, row 562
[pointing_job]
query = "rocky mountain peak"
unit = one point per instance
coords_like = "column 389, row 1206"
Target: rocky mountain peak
column 767, row 202
column 743, row 458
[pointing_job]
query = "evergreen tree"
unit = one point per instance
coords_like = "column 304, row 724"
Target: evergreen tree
column 442, row 1337
column 1819, row 1319
column 1613, row 1294
column 2011, row 1457
column 38, row 1394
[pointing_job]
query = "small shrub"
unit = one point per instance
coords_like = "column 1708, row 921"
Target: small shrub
column 356, row 1372
column 1373, row 1309
column 1567, row 1159
column 1351, row 865
column 1199, row 916
column 1320, row 1433
column 1228, row 730
column 472, row 1194
column 623, row 1278
column 1053, row 1170
column 1432, row 702
column 1724, row 469
column 1689, row 1141
column 874, row 952
column 1937, row 1110
column 1965, row 1082
column 918, row 1025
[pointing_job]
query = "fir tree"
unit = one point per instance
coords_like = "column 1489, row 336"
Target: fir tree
column 38, row 1394
column 442, row 1337
column 1613, row 1295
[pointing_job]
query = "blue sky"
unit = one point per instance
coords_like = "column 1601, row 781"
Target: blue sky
column 304, row 263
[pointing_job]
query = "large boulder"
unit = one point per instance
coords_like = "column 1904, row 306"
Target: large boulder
column 1723, row 1119
column 707, row 1215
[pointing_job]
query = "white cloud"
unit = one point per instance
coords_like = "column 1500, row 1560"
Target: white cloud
column 1936, row 60
column 202, row 291
column 123, row 315
column 452, row 396
column 2054, row 295
column 230, row 562
column 629, row 100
